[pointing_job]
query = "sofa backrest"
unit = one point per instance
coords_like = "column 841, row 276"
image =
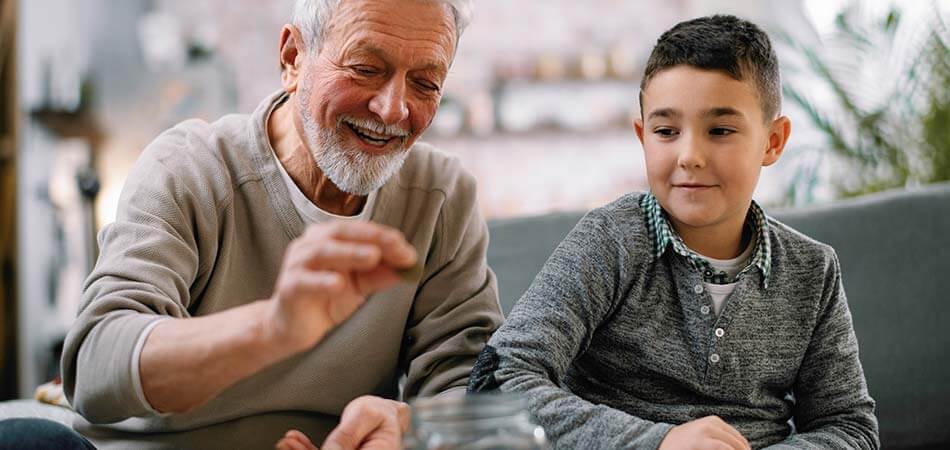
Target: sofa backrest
column 894, row 249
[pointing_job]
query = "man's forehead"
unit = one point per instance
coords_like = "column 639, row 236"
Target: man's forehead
column 425, row 59
column 426, row 30
column 403, row 19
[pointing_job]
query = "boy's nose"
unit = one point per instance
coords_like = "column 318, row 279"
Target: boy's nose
column 691, row 155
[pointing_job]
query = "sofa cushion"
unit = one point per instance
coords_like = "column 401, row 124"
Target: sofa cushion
column 894, row 250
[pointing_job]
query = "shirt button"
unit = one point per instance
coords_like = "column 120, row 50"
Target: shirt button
column 714, row 358
column 720, row 332
column 698, row 289
column 704, row 309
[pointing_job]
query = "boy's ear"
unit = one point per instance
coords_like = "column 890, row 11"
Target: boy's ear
column 291, row 57
column 638, row 127
column 778, row 136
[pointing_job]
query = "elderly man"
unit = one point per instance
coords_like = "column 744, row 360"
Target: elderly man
column 284, row 270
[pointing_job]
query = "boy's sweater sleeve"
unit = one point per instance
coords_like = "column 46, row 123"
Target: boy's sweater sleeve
column 553, row 324
column 833, row 409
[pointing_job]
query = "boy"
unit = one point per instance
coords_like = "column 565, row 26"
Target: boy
column 684, row 317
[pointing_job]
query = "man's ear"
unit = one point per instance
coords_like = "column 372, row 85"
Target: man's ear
column 778, row 136
column 292, row 52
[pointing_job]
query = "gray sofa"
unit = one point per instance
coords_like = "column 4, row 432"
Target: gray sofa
column 894, row 249
column 895, row 253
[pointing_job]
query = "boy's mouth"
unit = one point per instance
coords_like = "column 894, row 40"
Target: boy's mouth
column 695, row 186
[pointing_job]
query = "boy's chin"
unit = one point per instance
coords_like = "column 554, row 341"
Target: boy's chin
column 695, row 216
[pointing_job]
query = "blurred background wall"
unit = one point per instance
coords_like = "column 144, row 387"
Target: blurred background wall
column 538, row 106
column 8, row 128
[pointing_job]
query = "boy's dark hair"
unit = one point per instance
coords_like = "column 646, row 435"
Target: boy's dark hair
column 725, row 43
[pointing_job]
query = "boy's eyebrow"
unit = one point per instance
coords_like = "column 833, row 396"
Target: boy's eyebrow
column 723, row 111
column 663, row 112
column 719, row 111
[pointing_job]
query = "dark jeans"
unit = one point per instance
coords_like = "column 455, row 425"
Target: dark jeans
column 40, row 434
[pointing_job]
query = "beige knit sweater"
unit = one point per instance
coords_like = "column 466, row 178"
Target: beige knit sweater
column 203, row 223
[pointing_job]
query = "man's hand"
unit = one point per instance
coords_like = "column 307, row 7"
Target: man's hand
column 367, row 423
column 326, row 275
column 708, row 433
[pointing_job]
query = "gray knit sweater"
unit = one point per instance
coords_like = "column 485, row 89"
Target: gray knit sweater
column 613, row 346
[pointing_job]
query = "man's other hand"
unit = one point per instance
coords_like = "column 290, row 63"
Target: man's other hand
column 367, row 423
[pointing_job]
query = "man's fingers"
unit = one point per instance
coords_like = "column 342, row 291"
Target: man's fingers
column 295, row 440
column 369, row 420
column 336, row 255
column 395, row 250
column 403, row 414
column 307, row 284
column 356, row 424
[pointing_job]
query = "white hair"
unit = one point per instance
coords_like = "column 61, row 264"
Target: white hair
column 311, row 18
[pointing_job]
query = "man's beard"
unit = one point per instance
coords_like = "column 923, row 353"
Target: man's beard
column 350, row 169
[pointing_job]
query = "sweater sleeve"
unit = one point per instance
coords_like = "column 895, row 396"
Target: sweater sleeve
column 551, row 325
column 833, row 409
column 456, row 307
column 148, row 262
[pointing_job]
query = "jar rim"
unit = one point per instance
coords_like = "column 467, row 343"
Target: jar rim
column 469, row 406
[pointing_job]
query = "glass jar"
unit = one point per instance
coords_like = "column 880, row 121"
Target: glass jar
column 473, row 422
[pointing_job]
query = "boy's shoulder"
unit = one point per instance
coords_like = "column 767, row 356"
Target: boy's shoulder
column 795, row 249
column 625, row 213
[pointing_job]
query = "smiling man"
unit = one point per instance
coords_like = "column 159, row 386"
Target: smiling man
column 255, row 278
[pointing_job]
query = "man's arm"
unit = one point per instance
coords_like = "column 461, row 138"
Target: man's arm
column 148, row 262
column 456, row 308
column 833, row 409
column 326, row 276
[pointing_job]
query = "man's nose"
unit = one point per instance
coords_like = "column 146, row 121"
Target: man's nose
column 389, row 103
column 691, row 153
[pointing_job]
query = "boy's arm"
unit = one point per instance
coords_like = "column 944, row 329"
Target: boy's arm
column 550, row 326
column 832, row 406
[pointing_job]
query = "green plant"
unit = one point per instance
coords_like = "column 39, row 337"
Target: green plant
column 888, row 122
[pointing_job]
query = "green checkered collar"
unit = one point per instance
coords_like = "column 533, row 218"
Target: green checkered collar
column 664, row 236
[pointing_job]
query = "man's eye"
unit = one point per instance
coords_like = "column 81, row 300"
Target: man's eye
column 721, row 131
column 365, row 70
column 427, row 86
column 665, row 132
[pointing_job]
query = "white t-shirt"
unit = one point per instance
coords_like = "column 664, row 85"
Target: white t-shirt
column 310, row 213
column 732, row 267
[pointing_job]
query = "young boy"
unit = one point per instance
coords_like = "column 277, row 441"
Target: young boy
column 685, row 317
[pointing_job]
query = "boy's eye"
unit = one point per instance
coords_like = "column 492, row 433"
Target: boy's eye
column 665, row 132
column 721, row 131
